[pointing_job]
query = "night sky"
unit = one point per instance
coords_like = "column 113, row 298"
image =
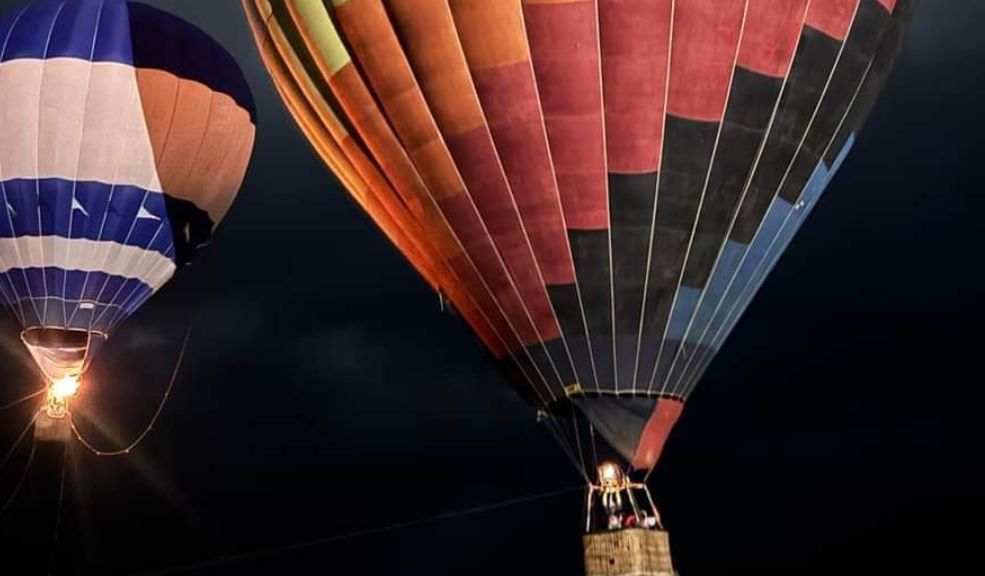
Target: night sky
column 325, row 393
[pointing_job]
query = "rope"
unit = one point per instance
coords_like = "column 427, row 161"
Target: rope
column 17, row 442
column 58, row 513
column 555, row 429
column 239, row 557
column 646, row 479
column 20, row 483
column 22, row 400
column 153, row 420
column 581, row 450
column 595, row 452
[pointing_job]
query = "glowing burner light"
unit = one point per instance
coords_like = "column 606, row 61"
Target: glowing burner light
column 611, row 477
column 618, row 495
column 59, row 391
column 65, row 387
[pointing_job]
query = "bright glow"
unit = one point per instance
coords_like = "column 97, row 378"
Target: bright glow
column 65, row 387
column 609, row 472
column 610, row 475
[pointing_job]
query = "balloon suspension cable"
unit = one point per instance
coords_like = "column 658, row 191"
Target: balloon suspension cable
column 235, row 558
column 23, row 399
column 545, row 417
column 577, row 441
column 613, row 485
column 20, row 438
column 153, row 421
column 578, row 444
column 20, row 482
column 58, row 513
column 646, row 479
column 595, row 452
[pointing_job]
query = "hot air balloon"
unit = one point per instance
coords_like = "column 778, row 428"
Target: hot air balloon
column 598, row 186
column 125, row 134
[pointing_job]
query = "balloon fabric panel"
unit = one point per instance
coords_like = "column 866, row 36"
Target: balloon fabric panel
column 605, row 183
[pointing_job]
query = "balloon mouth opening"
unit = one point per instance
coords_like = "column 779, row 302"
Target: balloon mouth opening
column 61, row 353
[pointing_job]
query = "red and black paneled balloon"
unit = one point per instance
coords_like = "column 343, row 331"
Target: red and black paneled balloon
column 598, row 186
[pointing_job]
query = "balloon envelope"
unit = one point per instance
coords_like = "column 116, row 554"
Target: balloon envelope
column 599, row 186
column 125, row 133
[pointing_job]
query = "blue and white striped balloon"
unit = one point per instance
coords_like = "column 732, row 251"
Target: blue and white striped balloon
column 125, row 134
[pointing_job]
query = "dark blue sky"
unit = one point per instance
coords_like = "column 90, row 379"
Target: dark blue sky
column 324, row 392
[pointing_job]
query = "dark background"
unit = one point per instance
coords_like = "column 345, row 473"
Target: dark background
column 324, row 392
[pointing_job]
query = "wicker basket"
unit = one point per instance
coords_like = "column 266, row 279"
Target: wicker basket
column 52, row 429
column 629, row 552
